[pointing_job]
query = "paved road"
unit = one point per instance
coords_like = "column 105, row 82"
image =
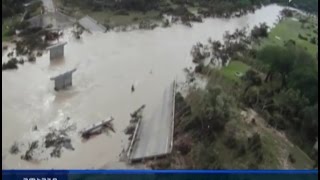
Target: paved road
column 155, row 134
column 48, row 5
column 90, row 24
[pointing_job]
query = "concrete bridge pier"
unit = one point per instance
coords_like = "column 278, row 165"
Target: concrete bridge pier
column 57, row 50
column 63, row 81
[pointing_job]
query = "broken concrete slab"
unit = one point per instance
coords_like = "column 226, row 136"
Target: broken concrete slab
column 97, row 128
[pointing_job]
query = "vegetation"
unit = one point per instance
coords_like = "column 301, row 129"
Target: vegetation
column 290, row 29
column 130, row 11
column 274, row 84
column 13, row 11
column 235, row 70
column 12, row 7
column 306, row 5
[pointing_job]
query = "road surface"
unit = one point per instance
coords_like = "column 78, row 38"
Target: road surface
column 155, row 134
column 91, row 25
column 48, row 6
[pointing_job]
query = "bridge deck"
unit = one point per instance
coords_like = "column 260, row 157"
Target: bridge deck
column 154, row 137
column 90, row 24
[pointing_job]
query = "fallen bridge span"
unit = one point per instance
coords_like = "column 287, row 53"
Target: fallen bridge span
column 154, row 137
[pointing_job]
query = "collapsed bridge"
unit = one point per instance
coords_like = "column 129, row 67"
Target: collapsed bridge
column 153, row 138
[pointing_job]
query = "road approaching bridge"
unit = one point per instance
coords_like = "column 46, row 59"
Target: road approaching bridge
column 154, row 138
column 48, row 6
column 91, row 25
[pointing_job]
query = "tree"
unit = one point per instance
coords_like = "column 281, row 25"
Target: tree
column 12, row 7
column 213, row 112
column 280, row 60
column 260, row 31
column 289, row 103
column 252, row 78
column 305, row 79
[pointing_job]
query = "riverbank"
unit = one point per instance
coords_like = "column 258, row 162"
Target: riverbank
column 248, row 134
column 122, row 14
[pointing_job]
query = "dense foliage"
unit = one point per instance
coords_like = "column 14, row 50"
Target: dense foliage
column 306, row 5
column 12, row 7
column 288, row 94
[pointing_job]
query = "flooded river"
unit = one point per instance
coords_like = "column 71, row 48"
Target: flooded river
column 107, row 65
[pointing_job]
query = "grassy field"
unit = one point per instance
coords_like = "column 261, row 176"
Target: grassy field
column 233, row 68
column 290, row 28
column 276, row 146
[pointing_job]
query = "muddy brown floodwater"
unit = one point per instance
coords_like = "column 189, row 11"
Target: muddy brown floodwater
column 107, row 66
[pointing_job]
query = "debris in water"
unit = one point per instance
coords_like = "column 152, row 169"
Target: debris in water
column 56, row 152
column 132, row 88
column 39, row 54
column 57, row 140
column 135, row 117
column 31, row 59
column 137, row 113
column 14, row 148
column 35, row 128
column 11, row 64
column 10, row 54
column 97, row 129
column 29, row 153
column 130, row 129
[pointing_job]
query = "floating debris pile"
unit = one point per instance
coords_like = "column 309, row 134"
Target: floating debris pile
column 98, row 128
column 28, row 156
column 55, row 139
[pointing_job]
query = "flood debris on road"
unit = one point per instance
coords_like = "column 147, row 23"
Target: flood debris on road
column 135, row 117
column 99, row 128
